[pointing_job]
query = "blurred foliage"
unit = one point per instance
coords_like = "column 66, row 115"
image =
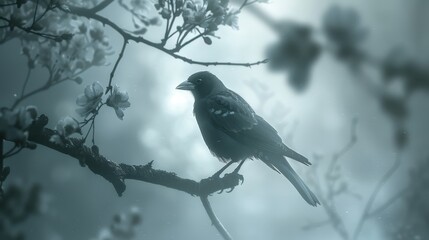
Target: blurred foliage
column 62, row 43
column 415, row 220
column 296, row 52
column 123, row 226
column 343, row 30
column 17, row 205
column 342, row 35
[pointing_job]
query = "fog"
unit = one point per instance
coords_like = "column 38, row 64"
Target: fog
column 160, row 126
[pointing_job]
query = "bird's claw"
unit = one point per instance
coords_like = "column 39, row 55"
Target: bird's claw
column 230, row 190
column 228, row 180
column 240, row 179
column 239, row 176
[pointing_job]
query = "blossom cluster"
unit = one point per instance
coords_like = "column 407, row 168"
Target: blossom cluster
column 14, row 123
column 71, row 46
column 89, row 103
column 206, row 14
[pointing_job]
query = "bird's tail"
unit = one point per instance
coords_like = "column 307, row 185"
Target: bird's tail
column 280, row 164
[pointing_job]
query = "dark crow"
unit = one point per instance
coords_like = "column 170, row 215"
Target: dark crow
column 234, row 132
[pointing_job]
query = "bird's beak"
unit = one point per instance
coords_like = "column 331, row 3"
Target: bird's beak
column 186, row 86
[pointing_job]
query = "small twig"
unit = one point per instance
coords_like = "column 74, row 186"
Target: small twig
column 35, row 12
column 112, row 74
column 13, row 153
column 7, row 4
column 102, row 5
column 28, row 30
column 89, row 130
column 2, row 157
column 215, row 220
column 327, row 198
column 93, row 132
column 178, row 48
column 243, row 5
column 314, row 225
column 389, row 202
column 27, row 77
column 186, row 32
column 138, row 39
column 45, row 86
column 1, row 154
column 367, row 210
column 47, row 9
column 10, row 150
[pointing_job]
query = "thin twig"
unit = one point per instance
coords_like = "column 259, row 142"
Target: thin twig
column 327, row 199
column 13, row 153
column 35, row 12
column 1, row 154
column 102, row 5
column 28, row 30
column 389, row 202
column 243, row 5
column 10, row 150
column 27, row 77
column 2, row 157
column 7, row 4
column 367, row 210
column 314, row 225
column 178, row 48
column 112, row 74
column 215, row 220
column 138, row 39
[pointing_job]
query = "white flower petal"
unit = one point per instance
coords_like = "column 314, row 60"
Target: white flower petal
column 124, row 105
column 81, row 100
column 56, row 139
column 119, row 113
column 84, row 112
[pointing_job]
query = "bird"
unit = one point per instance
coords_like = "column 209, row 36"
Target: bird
column 233, row 132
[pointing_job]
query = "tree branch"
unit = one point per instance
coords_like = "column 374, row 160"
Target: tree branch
column 89, row 13
column 215, row 221
column 102, row 5
column 117, row 173
column 112, row 74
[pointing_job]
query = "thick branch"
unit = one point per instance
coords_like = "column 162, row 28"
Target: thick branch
column 116, row 173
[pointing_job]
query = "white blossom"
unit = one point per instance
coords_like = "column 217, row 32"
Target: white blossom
column 64, row 128
column 14, row 123
column 90, row 99
column 67, row 126
column 119, row 101
column 231, row 19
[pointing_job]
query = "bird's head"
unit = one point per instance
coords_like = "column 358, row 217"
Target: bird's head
column 201, row 84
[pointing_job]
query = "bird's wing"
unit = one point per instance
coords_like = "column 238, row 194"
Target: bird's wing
column 230, row 112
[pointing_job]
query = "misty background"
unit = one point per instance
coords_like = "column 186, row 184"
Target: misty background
column 160, row 126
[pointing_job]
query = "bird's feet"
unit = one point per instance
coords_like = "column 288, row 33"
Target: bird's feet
column 234, row 176
column 215, row 183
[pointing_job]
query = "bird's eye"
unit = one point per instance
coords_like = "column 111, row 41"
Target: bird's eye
column 199, row 80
